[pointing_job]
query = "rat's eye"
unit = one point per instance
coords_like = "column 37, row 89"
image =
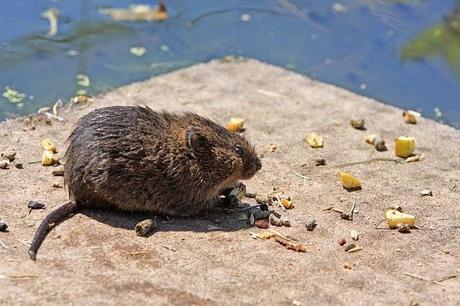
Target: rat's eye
column 239, row 150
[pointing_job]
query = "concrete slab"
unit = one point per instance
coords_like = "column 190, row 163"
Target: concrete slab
column 96, row 259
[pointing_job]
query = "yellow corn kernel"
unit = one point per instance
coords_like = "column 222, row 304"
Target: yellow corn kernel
column 49, row 145
column 348, row 181
column 315, row 140
column 47, row 158
column 235, row 125
column 404, row 146
column 395, row 217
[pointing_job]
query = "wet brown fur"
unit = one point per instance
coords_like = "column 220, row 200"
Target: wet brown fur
column 135, row 159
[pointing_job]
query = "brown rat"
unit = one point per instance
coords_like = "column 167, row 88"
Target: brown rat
column 135, row 159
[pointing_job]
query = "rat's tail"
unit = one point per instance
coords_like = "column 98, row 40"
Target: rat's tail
column 53, row 219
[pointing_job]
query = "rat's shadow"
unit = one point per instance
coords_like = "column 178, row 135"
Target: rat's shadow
column 215, row 220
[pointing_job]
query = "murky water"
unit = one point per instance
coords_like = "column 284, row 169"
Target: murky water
column 405, row 53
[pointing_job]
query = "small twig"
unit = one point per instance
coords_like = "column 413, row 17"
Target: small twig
column 23, row 276
column 24, row 242
column 168, row 248
column 397, row 161
column 380, row 222
column 301, row 175
column 3, row 245
column 426, row 279
column 442, row 279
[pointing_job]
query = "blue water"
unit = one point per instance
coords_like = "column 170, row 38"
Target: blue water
column 376, row 48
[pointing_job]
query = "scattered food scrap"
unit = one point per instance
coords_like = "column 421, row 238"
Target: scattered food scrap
column 358, row 124
column 426, row 192
column 287, row 203
column 349, row 182
column 380, row 145
column 138, row 12
column 145, row 227
column 13, row 96
column 347, row 265
column 311, row 225
column 58, row 171
column 370, row 139
column 274, row 220
column 235, row 125
column 272, row 148
column 395, row 217
column 4, row 164
column 354, row 235
column 298, row 247
column 342, row 242
column 9, row 154
column 415, row 158
column 47, row 158
column 315, row 140
column 404, row 146
column 49, row 145
column 349, row 247
column 410, row 116
column 355, row 249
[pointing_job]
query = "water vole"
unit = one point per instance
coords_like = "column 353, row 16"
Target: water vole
column 135, row 159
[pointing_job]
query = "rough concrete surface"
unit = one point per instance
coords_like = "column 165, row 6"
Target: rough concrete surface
column 95, row 258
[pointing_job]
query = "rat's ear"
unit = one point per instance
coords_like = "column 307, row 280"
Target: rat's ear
column 196, row 141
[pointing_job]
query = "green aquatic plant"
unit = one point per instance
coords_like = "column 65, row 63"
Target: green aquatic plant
column 442, row 39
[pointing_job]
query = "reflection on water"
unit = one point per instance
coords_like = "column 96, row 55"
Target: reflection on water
column 404, row 52
column 442, row 39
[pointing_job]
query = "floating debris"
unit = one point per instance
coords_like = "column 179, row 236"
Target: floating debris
column 13, row 96
column 404, row 146
column 426, row 192
column 52, row 15
column 83, row 80
column 358, row 124
column 395, row 217
column 145, row 227
column 235, row 125
column 315, row 140
column 245, row 17
column 138, row 51
column 339, row 7
column 35, row 205
column 410, row 116
column 311, row 225
column 349, row 182
column 3, row 226
column 298, row 247
column 138, row 12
